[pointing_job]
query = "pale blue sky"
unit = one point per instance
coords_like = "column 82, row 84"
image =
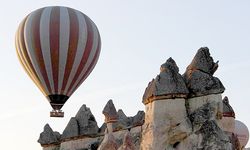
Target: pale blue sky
column 137, row 37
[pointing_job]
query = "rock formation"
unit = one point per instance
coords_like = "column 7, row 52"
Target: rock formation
column 166, row 121
column 167, row 85
column 228, row 123
column 127, row 142
column 83, row 123
column 228, row 120
column 199, row 75
column 204, row 103
column 182, row 112
column 108, row 143
column 86, row 121
column 124, row 122
column 111, row 116
column 110, row 112
column 72, row 129
column 227, row 108
column 48, row 136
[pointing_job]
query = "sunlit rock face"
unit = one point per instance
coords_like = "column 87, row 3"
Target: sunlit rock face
column 128, row 143
column 108, row 143
column 166, row 123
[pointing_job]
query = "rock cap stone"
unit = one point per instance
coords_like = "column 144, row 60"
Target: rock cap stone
column 168, row 84
column 199, row 75
column 203, row 61
column 110, row 112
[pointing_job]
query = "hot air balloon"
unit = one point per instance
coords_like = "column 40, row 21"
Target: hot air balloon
column 242, row 133
column 58, row 47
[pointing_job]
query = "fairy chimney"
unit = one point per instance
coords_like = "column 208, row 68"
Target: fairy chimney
column 164, row 101
column 110, row 114
column 204, row 103
column 203, row 86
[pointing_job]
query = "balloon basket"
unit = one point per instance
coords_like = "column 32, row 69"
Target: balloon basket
column 56, row 113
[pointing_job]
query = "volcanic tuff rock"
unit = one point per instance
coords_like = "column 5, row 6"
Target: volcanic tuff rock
column 86, row 121
column 166, row 121
column 199, row 75
column 227, row 109
column 203, row 61
column 109, row 112
column 138, row 119
column 108, row 143
column 48, row 136
column 214, row 137
column 202, row 114
column 127, row 142
column 125, row 122
column 82, row 124
column 123, row 119
column 176, row 87
column 71, row 130
column 181, row 113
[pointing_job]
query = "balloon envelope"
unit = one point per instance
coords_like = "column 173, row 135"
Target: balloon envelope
column 58, row 48
column 242, row 132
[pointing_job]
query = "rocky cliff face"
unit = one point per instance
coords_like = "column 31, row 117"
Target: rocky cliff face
column 182, row 112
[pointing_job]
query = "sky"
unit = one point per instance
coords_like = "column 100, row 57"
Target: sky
column 137, row 37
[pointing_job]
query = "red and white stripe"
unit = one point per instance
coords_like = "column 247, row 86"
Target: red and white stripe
column 58, row 47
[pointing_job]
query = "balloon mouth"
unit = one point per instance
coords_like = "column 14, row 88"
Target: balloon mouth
column 57, row 100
